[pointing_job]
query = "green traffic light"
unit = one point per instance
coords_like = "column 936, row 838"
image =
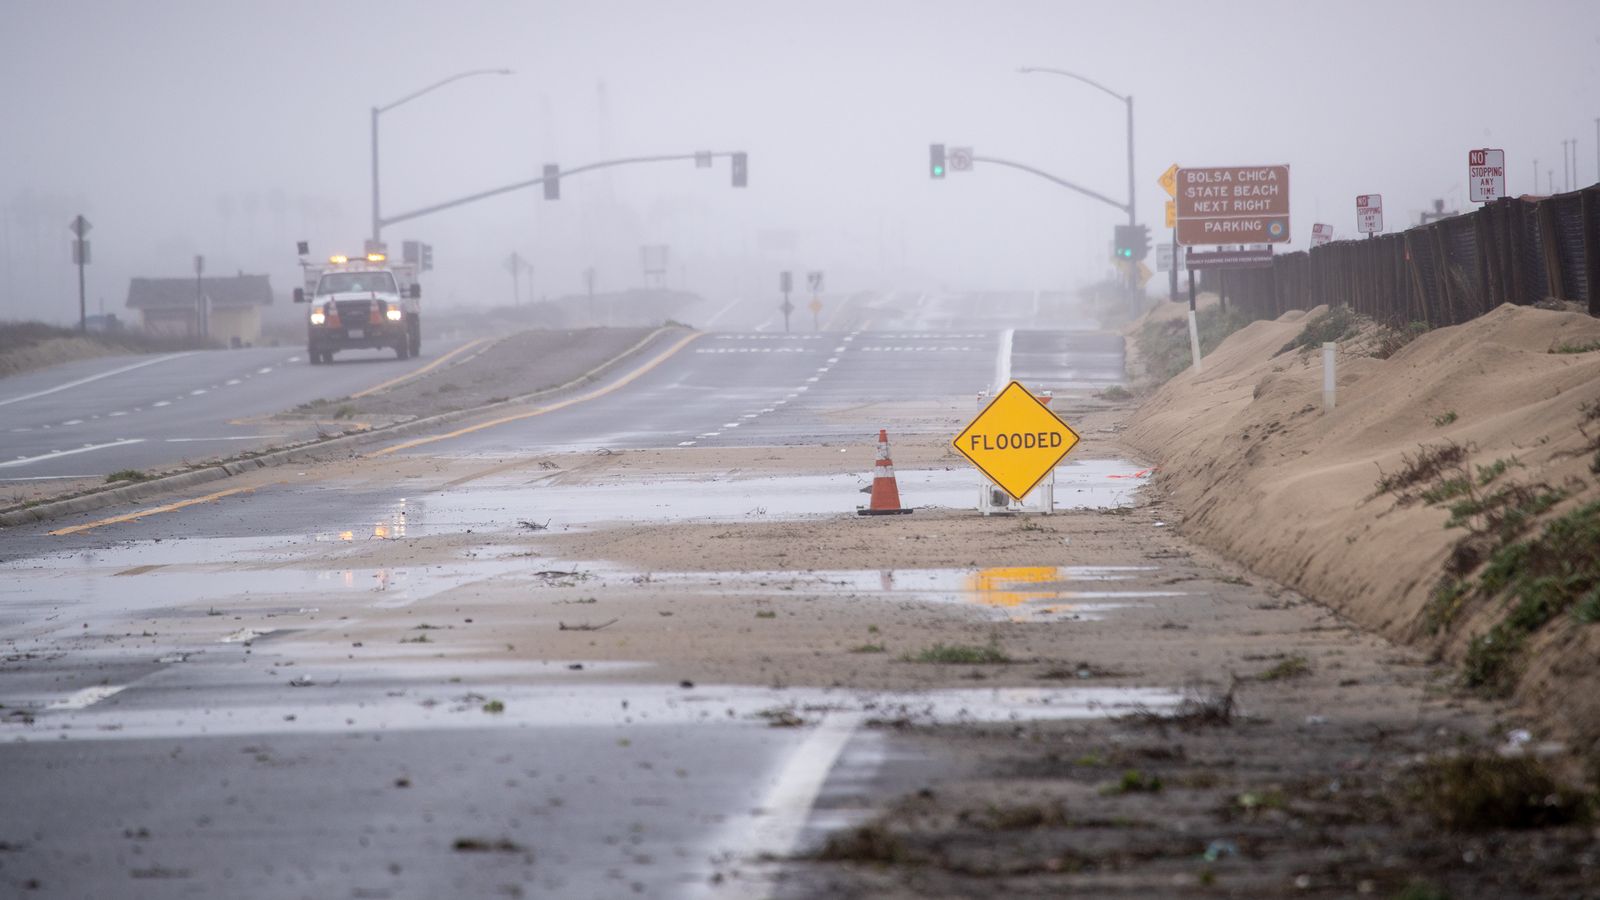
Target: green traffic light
column 938, row 170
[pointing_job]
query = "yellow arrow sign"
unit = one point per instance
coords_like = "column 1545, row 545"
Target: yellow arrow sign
column 1172, row 214
column 1169, row 180
column 1144, row 274
column 1016, row 441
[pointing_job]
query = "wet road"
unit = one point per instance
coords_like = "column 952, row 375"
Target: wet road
column 98, row 416
column 150, row 746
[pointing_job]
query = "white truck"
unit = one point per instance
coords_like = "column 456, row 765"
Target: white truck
column 361, row 302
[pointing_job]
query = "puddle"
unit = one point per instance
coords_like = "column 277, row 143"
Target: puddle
column 1019, row 593
column 326, row 706
column 502, row 505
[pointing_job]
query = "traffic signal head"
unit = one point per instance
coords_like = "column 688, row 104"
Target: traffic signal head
column 1131, row 242
column 552, row 181
column 935, row 160
column 741, row 169
column 425, row 257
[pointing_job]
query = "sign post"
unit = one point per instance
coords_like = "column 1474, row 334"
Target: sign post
column 1016, row 441
column 814, row 281
column 202, row 327
column 1486, row 175
column 1169, row 183
column 1369, row 214
column 80, row 258
column 1321, row 234
column 786, row 284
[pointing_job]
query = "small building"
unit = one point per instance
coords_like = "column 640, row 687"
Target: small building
column 170, row 306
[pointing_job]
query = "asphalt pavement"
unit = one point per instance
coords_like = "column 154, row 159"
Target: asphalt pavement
column 94, row 417
column 148, row 749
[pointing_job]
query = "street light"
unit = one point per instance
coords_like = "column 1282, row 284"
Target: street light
column 1127, row 100
column 377, row 220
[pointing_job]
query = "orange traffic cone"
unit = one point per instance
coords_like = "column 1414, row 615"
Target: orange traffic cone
column 885, row 490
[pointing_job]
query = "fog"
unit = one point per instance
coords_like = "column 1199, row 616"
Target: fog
column 234, row 129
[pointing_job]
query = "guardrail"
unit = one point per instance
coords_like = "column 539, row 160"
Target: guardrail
column 1514, row 250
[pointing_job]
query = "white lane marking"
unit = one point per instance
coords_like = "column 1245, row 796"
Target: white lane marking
column 1002, row 362
column 263, row 371
column 749, row 415
column 25, row 460
column 722, row 312
column 120, row 412
column 686, row 443
column 839, row 349
column 233, row 381
column 709, row 434
column 245, row 634
column 768, row 409
column 231, row 437
column 782, row 814
column 790, row 396
column 832, row 360
column 812, row 380
column 162, row 403
column 46, row 477
column 805, row 387
column 87, row 697
column 730, row 425
column 197, row 392
column 294, row 359
column 73, row 422
column 73, row 384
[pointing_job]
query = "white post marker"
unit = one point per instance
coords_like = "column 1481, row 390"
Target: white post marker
column 1194, row 340
column 1329, row 383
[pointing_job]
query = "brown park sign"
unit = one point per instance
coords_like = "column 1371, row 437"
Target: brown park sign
column 1233, row 205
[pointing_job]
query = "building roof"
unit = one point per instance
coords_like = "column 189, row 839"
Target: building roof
column 236, row 290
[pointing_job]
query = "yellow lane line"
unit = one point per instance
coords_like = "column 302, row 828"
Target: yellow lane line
column 128, row 517
column 600, row 392
column 422, row 371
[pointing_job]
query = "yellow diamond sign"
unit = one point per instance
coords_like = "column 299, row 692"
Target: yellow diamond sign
column 1016, row 440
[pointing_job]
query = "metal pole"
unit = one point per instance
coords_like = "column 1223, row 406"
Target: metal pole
column 377, row 217
column 1597, row 150
column 1133, row 269
column 83, row 314
column 1536, row 176
column 1172, row 273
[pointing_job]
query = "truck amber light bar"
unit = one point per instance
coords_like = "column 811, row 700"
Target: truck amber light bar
column 376, row 257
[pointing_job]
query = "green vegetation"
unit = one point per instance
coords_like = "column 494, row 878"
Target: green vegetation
column 1293, row 667
column 1485, row 791
column 126, row 475
column 1391, row 338
column 1422, row 467
column 1589, row 347
column 1336, row 324
column 1545, row 576
column 344, row 412
column 494, row 706
column 869, row 648
column 1133, row 782
column 1116, row 393
column 1444, row 419
column 1164, row 345
column 766, row 614
column 960, row 654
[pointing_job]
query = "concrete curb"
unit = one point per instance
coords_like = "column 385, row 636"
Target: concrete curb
column 314, row 450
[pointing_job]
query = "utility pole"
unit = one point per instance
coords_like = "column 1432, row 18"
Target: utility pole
column 201, row 325
column 1597, row 150
column 588, row 282
column 80, row 256
column 515, row 265
column 1566, row 180
column 1535, row 176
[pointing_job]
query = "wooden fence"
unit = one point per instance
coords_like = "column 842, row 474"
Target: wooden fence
column 1514, row 250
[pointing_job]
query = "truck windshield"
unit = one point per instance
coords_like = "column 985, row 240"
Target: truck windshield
column 356, row 283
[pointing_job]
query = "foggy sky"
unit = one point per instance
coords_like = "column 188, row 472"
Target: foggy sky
column 233, row 129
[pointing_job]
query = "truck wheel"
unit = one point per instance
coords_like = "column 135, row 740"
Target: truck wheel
column 316, row 357
column 414, row 332
column 402, row 350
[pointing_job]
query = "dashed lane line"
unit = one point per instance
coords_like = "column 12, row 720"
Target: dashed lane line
column 82, row 381
column 55, row 454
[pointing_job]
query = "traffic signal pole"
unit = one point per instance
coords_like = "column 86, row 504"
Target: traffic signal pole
column 554, row 177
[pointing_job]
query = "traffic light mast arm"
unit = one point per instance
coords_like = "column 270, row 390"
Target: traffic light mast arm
column 1048, row 177
column 535, row 182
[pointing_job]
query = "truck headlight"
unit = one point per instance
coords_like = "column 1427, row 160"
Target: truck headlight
column 395, row 315
column 318, row 317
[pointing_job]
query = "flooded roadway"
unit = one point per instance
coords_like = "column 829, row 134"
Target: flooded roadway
column 178, row 716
